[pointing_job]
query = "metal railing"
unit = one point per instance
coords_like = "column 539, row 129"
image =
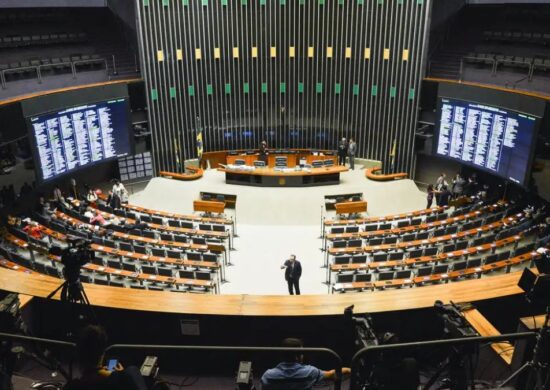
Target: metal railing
column 215, row 348
column 368, row 352
column 18, row 69
column 39, row 68
column 529, row 65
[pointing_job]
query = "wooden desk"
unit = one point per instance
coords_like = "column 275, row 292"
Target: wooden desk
column 14, row 267
column 434, row 278
column 411, row 228
column 156, row 226
column 255, row 305
column 130, row 255
column 208, row 206
column 145, row 240
column 416, row 213
column 230, row 200
column 293, row 158
column 193, row 173
column 351, row 207
column 217, row 158
column 248, row 159
column 166, row 214
column 434, row 240
column 270, row 177
column 373, row 174
column 331, row 200
column 503, row 349
column 123, row 273
column 422, row 260
column 324, row 157
column 533, row 322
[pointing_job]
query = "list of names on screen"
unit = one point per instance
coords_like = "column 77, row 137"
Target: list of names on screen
column 80, row 136
column 486, row 137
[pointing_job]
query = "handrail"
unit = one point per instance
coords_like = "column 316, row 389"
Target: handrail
column 494, row 65
column 237, row 348
column 52, row 65
column 337, row 358
column 16, row 69
column 114, row 65
column 489, row 86
column 491, row 60
column 66, row 89
column 377, row 349
column 20, row 337
column 91, row 61
column 38, row 68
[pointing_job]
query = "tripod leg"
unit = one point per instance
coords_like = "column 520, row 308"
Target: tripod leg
column 515, row 374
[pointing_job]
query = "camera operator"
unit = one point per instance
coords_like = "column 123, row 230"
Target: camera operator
column 94, row 375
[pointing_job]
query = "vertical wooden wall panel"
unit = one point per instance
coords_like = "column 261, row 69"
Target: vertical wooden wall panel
column 296, row 73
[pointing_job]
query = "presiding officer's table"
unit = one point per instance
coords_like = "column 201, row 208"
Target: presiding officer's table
column 271, row 177
column 293, row 156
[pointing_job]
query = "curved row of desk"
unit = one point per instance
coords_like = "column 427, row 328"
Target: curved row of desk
column 294, row 156
column 266, row 305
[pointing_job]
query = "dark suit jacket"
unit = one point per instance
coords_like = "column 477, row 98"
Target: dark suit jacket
column 297, row 270
column 342, row 148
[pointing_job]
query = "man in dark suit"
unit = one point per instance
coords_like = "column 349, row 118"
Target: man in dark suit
column 293, row 272
column 342, row 151
column 263, row 152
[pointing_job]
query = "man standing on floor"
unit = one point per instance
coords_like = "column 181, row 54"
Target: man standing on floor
column 293, row 272
column 342, row 151
column 263, row 152
column 352, row 149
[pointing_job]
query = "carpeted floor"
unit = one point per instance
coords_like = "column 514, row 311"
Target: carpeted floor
column 273, row 223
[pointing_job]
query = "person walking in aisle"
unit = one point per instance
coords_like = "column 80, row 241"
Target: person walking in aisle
column 352, row 149
column 430, row 196
column 293, row 272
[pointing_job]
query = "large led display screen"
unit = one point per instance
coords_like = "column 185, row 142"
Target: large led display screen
column 80, row 136
column 494, row 139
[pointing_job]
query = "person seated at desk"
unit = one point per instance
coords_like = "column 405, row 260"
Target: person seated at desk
column 33, row 230
column 91, row 196
column 98, row 219
column 293, row 374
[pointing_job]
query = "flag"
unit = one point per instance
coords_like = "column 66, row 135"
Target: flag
column 178, row 163
column 199, row 138
column 392, row 155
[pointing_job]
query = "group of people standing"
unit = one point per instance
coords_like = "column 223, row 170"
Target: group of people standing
column 443, row 192
column 347, row 149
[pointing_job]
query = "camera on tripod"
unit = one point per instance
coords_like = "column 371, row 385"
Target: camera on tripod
column 77, row 253
column 73, row 257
